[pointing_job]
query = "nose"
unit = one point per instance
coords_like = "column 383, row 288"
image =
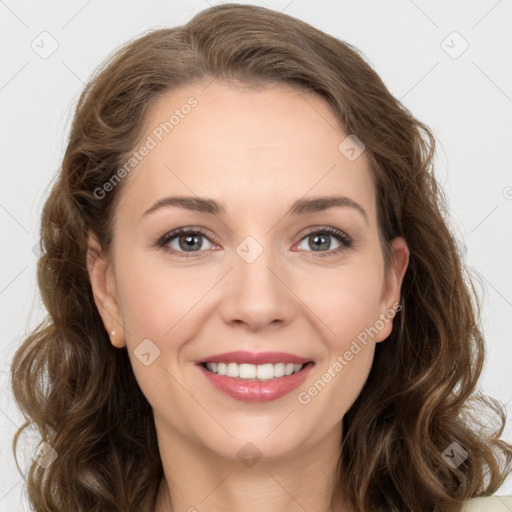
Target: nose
column 257, row 294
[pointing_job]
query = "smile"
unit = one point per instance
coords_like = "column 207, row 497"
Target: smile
column 255, row 383
column 252, row 371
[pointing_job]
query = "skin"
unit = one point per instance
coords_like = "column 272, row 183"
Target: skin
column 255, row 150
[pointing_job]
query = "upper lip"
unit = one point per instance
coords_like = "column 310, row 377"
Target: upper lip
column 256, row 358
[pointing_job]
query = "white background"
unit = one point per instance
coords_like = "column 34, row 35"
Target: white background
column 467, row 101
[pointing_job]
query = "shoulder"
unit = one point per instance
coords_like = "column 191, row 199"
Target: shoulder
column 489, row 504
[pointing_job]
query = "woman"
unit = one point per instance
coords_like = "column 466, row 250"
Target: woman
column 320, row 352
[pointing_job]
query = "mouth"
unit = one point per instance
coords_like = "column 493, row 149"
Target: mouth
column 259, row 372
column 259, row 366
column 257, row 382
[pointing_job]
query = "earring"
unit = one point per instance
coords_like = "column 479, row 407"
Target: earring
column 112, row 333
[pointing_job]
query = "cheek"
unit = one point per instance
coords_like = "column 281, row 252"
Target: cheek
column 157, row 304
column 346, row 301
column 156, row 300
column 348, row 310
column 143, row 307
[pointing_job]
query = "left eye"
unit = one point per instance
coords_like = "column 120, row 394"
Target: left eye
column 185, row 241
column 319, row 238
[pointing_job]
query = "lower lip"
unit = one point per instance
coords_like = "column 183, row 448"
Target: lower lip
column 251, row 390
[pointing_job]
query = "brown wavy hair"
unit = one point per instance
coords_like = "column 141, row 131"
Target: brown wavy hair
column 421, row 395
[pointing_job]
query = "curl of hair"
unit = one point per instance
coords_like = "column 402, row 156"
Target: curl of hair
column 80, row 392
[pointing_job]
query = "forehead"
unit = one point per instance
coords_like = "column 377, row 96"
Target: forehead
column 245, row 146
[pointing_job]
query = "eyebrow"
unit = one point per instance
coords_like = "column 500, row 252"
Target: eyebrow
column 299, row 207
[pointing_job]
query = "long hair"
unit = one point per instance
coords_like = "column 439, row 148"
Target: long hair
column 420, row 398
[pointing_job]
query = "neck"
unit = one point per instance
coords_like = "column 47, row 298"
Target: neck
column 198, row 480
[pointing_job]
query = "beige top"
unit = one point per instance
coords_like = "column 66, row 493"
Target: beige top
column 490, row 504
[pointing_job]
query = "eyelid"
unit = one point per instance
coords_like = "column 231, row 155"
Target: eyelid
column 344, row 239
column 327, row 229
column 174, row 233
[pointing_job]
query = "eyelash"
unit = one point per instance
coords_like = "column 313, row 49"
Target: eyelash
column 346, row 241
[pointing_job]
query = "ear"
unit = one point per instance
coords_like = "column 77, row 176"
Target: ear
column 392, row 286
column 101, row 276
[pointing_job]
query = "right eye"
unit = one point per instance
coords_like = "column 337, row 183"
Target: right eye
column 181, row 240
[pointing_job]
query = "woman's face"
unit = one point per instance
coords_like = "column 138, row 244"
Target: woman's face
column 275, row 270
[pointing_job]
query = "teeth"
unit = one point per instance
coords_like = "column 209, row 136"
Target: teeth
column 252, row 371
